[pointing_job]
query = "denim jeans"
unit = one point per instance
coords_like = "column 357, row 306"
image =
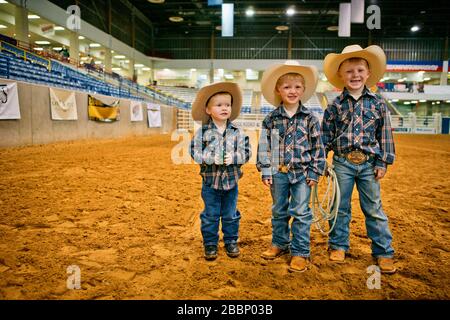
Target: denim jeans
column 219, row 204
column 291, row 200
column 369, row 198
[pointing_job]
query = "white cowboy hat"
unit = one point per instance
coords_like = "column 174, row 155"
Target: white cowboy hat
column 374, row 55
column 274, row 72
column 202, row 97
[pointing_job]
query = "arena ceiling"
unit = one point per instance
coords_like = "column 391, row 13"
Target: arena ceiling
column 313, row 18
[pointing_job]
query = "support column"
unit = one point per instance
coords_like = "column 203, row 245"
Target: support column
column 108, row 60
column 131, row 69
column 289, row 48
column 443, row 81
column 21, row 23
column 74, row 50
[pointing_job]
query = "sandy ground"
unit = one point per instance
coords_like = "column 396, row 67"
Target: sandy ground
column 129, row 218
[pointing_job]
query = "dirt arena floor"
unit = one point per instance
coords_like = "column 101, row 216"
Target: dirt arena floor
column 129, row 218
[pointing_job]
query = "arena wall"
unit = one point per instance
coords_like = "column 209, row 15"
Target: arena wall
column 37, row 127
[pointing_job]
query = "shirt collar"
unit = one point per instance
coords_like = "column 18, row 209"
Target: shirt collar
column 212, row 126
column 346, row 94
column 281, row 112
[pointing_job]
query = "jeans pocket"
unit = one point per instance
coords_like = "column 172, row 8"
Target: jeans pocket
column 338, row 159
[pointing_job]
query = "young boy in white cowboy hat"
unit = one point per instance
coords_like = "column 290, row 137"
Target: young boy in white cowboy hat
column 221, row 149
column 357, row 128
column 291, row 157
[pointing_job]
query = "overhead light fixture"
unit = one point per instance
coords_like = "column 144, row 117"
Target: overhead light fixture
column 422, row 100
column 146, row 69
column 33, row 16
column 97, row 62
column 3, row 1
column 426, row 79
column 58, row 28
column 94, row 45
column 42, row 42
column 81, row 38
column 176, row 19
column 333, row 28
column 250, row 12
column 156, row 1
column 282, row 28
column 290, row 12
column 3, row 26
column 219, row 28
column 57, row 48
column 38, row 49
column 138, row 65
column 119, row 56
column 421, row 72
column 415, row 28
column 127, row 61
column 116, row 69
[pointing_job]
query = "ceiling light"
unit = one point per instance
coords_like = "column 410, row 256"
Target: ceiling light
column 3, row 1
column 423, row 100
column 421, row 72
column 57, row 48
column 94, row 45
column 219, row 28
column 38, row 49
column 42, row 42
column 282, row 28
column 415, row 28
column 400, row 80
column 81, row 38
column 97, row 62
column 426, row 79
column 249, row 12
column 126, row 61
column 2, row 26
column 119, row 56
column 176, row 19
column 333, row 28
column 156, row 1
column 146, row 69
column 290, row 11
column 116, row 69
column 33, row 16
column 58, row 28
column 138, row 65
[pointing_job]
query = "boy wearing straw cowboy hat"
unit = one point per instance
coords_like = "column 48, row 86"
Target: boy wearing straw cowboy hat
column 291, row 157
column 221, row 149
column 357, row 128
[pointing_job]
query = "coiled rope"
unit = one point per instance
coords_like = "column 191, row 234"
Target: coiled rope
column 326, row 209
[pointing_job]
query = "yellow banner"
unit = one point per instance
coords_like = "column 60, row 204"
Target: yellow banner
column 99, row 111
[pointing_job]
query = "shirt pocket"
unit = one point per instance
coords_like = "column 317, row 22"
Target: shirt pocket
column 370, row 120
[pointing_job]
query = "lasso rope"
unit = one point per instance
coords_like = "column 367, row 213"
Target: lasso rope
column 326, row 209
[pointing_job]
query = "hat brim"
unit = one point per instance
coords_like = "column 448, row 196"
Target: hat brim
column 374, row 55
column 199, row 104
column 274, row 72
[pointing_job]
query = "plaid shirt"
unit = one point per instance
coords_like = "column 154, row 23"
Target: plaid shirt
column 341, row 131
column 208, row 142
column 294, row 142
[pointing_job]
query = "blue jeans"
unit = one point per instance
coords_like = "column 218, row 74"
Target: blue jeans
column 219, row 204
column 291, row 200
column 370, row 200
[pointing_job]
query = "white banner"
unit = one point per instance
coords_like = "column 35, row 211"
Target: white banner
column 154, row 115
column 9, row 101
column 136, row 113
column 63, row 105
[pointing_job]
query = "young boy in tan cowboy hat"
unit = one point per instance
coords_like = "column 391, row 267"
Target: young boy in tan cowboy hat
column 357, row 128
column 291, row 157
column 221, row 149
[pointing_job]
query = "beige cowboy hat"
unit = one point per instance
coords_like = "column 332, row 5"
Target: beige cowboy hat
column 274, row 72
column 202, row 97
column 374, row 55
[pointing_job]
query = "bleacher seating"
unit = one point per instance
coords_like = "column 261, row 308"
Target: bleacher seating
column 59, row 75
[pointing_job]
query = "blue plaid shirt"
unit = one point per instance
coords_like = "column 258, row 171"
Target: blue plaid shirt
column 341, row 132
column 208, row 142
column 294, row 142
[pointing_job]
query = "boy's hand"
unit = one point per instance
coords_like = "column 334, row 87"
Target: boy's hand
column 267, row 182
column 228, row 159
column 218, row 159
column 311, row 183
column 379, row 173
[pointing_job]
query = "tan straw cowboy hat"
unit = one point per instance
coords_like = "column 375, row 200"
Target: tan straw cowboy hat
column 202, row 97
column 274, row 72
column 374, row 55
